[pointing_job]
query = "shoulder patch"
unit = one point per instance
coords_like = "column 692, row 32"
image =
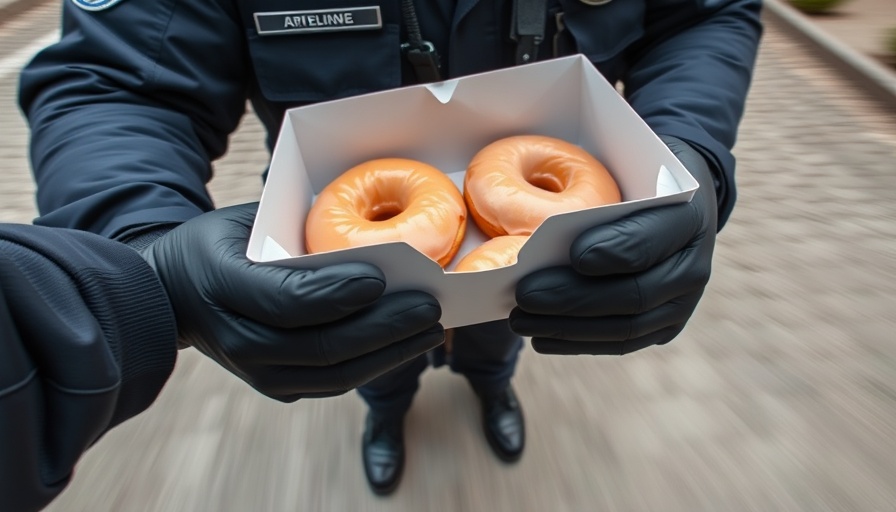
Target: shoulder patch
column 95, row 5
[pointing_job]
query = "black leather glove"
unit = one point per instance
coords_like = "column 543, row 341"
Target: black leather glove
column 631, row 283
column 288, row 333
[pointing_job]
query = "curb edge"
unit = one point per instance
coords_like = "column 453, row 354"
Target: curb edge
column 876, row 79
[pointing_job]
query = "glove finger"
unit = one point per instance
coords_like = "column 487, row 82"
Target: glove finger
column 605, row 348
column 562, row 291
column 389, row 320
column 606, row 328
column 289, row 383
column 637, row 242
column 289, row 298
column 395, row 318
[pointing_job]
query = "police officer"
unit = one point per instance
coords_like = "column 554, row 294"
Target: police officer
column 132, row 105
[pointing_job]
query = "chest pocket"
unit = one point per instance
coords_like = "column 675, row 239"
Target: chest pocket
column 307, row 51
column 602, row 31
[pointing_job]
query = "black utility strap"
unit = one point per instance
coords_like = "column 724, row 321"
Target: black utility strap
column 421, row 54
column 527, row 28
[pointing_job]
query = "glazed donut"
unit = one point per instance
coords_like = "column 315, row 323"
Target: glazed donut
column 389, row 200
column 514, row 184
column 497, row 252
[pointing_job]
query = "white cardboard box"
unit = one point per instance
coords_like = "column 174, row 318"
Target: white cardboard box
column 445, row 124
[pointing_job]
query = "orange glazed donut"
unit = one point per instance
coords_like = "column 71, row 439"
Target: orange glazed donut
column 389, row 200
column 497, row 252
column 514, row 184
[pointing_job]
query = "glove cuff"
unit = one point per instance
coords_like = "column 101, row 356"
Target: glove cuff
column 720, row 162
column 142, row 236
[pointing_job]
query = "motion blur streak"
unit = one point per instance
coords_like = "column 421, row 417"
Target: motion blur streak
column 779, row 396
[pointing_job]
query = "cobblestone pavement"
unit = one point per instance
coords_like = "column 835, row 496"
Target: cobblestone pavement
column 779, row 396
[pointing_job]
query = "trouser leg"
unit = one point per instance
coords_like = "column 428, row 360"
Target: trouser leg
column 392, row 393
column 486, row 354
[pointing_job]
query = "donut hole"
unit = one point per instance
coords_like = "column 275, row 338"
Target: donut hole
column 545, row 172
column 384, row 211
column 545, row 181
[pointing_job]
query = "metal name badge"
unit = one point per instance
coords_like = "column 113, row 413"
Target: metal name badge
column 95, row 5
column 319, row 20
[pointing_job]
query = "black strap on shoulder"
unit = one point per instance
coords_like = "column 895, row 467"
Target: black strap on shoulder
column 527, row 28
column 420, row 53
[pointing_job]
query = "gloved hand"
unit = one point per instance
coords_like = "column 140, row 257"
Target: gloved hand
column 288, row 333
column 631, row 283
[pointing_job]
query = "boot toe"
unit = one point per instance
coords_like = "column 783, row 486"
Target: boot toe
column 503, row 424
column 382, row 452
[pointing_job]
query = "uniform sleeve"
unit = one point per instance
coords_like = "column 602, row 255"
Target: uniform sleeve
column 690, row 77
column 87, row 340
column 128, row 110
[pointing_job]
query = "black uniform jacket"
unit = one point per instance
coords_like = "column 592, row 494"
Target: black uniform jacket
column 87, row 340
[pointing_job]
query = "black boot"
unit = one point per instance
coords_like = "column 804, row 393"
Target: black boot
column 382, row 450
column 502, row 423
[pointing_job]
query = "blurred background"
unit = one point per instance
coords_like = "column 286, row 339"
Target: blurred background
column 779, row 396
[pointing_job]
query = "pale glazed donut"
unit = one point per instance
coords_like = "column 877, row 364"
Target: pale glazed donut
column 514, row 184
column 497, row 252
column 389, row 200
